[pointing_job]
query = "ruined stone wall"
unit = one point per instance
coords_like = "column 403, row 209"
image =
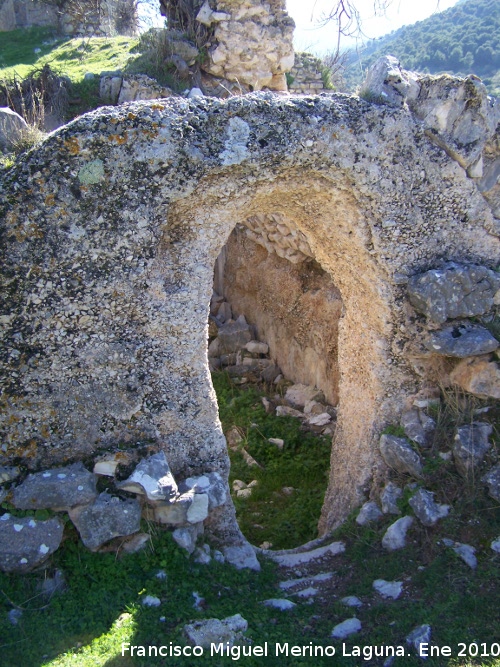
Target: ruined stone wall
column 295, row 306
column 74, row 17
column 248, row 42
column 306, row 76
column 24, row 13
column 112, row 228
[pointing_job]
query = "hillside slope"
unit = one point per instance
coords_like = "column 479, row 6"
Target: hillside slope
column 464, row 39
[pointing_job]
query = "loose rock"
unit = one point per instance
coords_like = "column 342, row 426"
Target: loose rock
column 398, row 454
column 463, row 340
column 106, row 518
column 395, row 535
column 346, row 628
column 492, row 480
column 214, row 631
column 26, row 543
column 389, row 498
column 388, row 589
column 426, row 509
column 418, row 636
column 368, row 513
column 152, row 478
column 470, row 446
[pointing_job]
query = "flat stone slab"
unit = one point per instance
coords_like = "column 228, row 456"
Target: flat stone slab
column 106, row 518
column 152, row 478
column 58, row 489
column 26, row 543
column 293, row 559
column 241, row 557
column 463, row 340
column 215, row 631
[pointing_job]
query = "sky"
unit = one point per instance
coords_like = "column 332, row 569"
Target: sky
column 308, row 37
column 307, row 15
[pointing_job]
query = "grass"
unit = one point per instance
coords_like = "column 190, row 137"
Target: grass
column 69, row 57
column 270, row 514
column 86, row 624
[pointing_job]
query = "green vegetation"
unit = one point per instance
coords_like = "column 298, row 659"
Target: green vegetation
column 284, row 518
column 464, row 39
column 101, row 607
column 22, row 51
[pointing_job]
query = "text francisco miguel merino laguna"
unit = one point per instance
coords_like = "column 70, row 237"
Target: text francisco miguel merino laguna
column 285, row 649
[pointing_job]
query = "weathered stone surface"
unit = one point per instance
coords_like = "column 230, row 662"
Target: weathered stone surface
column 458, row 115
column 479, row 376
column 389, row 498
column 242, row 557
column 152, row 478
column 301, row 557
column 418, row 636
column 214, row 631
column 426, row 509
column 186, row 537
column 386, row 82
column 418, row 426
column 256, row 347
column 12, row 126
column 369, row 512
column 58, row 488
column 106, row 518
column 211, row 484
column 279, row 603
column 253, row 43
column 233, row 336
column 170, row 513
column 470, row 446
column 462, row 340
column 112, row 228
column 456, row 290
column 8, row 473
column 346, row 628
column 466, row 552
column 395, row 536
column 398, row 454
column 285, row 411
column 492, row 481
column 388, row 589
column 352, row 601
column 25, row 542
column 117, row 89
column 299, row 394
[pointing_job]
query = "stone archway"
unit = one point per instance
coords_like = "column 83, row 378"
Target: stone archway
column 112, row 228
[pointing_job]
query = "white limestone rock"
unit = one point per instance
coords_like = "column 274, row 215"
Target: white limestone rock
column 214, row 631
column 368, row 513
column 152, row 478
column 398, row 454
column 346, row 628
column 389, row 498
column 388, row 589
column 427, row 511
column 279, row 603
column 418, row 636
column 395, row 535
